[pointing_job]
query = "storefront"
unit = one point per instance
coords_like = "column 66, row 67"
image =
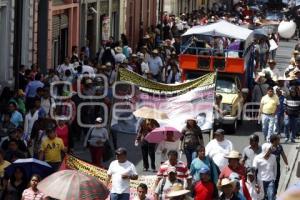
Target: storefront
column 63, row 31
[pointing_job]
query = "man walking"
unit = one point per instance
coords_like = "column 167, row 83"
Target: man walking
column 291, row 108
column 268, row 107
column 120, row 172
column 266, row 166
column 251, row 151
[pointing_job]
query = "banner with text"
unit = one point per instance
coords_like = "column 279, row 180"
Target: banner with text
column 193, row 99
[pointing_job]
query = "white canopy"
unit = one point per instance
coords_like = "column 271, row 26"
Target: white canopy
column 221, row 28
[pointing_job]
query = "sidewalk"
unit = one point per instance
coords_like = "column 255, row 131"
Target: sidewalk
column 289, row 178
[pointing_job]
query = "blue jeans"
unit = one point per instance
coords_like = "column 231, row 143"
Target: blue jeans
column 290, row 125
column 269, row 189
column 189, row 155
column 115, row 196
column 279, row 124
column 268, row 122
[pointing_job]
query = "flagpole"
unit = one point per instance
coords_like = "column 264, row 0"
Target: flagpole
column 214, row 101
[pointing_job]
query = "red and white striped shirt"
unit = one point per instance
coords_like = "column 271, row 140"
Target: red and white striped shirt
column 181, row 169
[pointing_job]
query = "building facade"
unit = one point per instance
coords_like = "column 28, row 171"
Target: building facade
column 139, row 15
column 63, row 30
column 7, row 43
column 99, row 19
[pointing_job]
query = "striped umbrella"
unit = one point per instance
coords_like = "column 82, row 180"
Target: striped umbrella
column 73, row 185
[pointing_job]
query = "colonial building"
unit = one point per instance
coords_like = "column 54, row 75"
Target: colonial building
column 99, row 19
column 7, row 42
column 58, row 31
column 139, row 16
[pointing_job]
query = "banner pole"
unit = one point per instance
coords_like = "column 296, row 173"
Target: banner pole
column 211, row 136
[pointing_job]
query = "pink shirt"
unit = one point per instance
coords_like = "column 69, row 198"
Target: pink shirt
column 29, row 194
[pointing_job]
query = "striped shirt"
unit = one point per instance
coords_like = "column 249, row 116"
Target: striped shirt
column 29, row 194
column 181, row 168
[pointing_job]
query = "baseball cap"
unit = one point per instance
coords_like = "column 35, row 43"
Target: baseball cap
column 219, row 131
column 204, row 170
column 121, row 151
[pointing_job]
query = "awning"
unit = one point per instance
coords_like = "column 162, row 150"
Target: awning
column 221, row 29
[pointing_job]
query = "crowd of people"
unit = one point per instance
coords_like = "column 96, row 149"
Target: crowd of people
column 40, row 119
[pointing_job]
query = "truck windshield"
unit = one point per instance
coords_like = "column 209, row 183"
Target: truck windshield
column 226, row 86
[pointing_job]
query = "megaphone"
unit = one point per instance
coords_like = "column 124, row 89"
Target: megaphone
column 287, row 29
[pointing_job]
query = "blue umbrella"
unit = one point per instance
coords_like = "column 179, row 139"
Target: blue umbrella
column 31, row 166
column 260, row 33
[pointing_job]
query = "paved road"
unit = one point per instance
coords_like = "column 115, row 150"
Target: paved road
column 239, row 140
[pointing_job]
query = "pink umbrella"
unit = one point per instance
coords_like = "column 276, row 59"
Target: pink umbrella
column 160, row 134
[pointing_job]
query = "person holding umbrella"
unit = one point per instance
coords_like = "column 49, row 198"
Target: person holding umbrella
column 33, row 193
column 146, row 126
column 15, row 185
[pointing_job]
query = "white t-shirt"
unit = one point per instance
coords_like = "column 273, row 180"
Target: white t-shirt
column 63, row 67
column 29, row 121
column 267, row 169
column 217, row 150
column 119, row 58
column 168, row 146
column 144, row 68
column 274, row 73
column 88, row 69
column 116, row 170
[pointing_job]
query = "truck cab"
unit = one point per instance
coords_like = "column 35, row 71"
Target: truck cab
column 230, row 80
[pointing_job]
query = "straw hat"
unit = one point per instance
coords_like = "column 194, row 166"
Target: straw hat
column 233, row 154
column 227, row 182
column 258, row 22
column 147, row 36
column 21, row 92
column 155, row 51
column 281, row 78
column 261, row 74
column 177, row 190
column 118, row 49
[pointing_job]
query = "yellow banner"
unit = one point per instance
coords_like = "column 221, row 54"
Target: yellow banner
column 71, row 162
column 155, row 87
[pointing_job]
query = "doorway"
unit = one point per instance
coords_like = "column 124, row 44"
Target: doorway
column 63, row 44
